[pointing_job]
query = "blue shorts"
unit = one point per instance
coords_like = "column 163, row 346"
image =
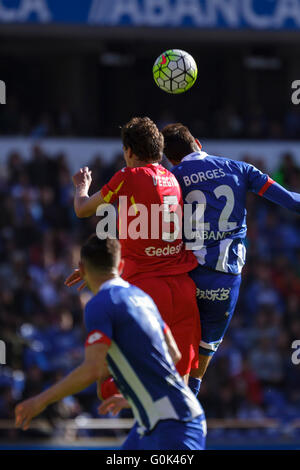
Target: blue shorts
column 217, row 296
column 169, row 435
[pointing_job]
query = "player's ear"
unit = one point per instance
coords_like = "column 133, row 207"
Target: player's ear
column 199, row 144
column 121, row 266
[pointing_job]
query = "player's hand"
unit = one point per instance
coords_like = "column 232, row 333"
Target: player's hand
column 74, row 278
column 27, row 410
column 113, row 404
column 83, row 178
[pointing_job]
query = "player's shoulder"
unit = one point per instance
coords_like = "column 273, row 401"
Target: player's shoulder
column 123, row 299
column 134, row 174
column 125, row 171
column 114, row 290
column 117, row 180
column 227, row 167
column 111, row 293
column 196, row 162
column 135, row 293
column 151, row 168
column 98, row 302
column 129, row 295
column 95, row 310
column 224, row 161
column 232, row 165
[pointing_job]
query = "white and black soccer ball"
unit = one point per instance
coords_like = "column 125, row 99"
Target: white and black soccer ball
column 175, row 71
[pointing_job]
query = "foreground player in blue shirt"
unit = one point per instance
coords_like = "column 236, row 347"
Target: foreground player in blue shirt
column 215, row 188
column 126, row 330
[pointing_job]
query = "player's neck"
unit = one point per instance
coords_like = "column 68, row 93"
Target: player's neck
column 96, row 282
column 140, row 163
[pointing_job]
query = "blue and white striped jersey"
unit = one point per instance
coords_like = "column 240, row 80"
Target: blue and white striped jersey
column 127, row 319
column 214, row 193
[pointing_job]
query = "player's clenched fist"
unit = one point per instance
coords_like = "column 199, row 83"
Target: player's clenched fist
column 83, row 178
column 26, row 411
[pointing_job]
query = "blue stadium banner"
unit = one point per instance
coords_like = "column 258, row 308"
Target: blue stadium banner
column 206, row 14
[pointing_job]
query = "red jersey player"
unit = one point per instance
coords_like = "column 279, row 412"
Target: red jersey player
column 157, row 262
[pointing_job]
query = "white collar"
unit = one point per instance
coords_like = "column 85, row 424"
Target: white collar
column 116, row 281
column 194, row 156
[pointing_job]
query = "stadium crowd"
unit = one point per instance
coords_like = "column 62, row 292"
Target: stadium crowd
column 225, row 122
column 251, row 376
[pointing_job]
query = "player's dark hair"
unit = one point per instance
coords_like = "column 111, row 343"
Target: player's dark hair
column 101, row 255
column 178, row 142
column 144, row 139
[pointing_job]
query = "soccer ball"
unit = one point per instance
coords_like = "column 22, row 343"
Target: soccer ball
column 175, row 71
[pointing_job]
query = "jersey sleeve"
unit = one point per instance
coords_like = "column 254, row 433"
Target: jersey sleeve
column 283, row 197
column 98, row 323
column 258, row 182
column 263, row 185
column 116, row 187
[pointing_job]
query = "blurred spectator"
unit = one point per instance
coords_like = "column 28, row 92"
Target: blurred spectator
column 267, row 363
column 287, row 170
column 226, row 120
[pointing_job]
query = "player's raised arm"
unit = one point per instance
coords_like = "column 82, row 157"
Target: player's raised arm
column 264, row 186
column 85, row 205
column 278, row 194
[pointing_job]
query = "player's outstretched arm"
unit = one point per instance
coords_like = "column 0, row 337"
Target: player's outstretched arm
column 87, row 373
column 263, row 185
column 85, row 205
column 278, row 194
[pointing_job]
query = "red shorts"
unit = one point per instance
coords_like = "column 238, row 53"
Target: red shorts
column 175, row 298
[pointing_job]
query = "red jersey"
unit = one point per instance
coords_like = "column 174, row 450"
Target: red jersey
column 150, row 221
